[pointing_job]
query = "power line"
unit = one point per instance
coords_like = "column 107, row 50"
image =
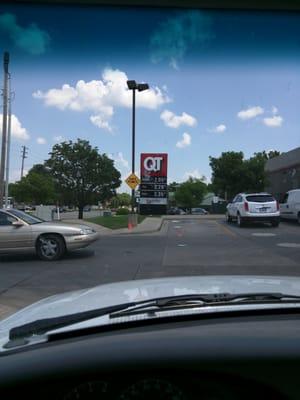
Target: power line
column 24, row 155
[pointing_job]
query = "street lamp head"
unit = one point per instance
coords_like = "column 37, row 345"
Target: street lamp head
column 142, row 86
column 132, row 85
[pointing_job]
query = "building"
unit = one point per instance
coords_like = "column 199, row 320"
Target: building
column 283, row 173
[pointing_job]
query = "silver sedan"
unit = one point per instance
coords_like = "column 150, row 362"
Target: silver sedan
column 21, row 232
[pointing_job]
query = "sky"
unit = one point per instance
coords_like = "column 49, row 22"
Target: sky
column 219, row 81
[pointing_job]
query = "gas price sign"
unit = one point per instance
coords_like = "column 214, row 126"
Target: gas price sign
column 153, row 187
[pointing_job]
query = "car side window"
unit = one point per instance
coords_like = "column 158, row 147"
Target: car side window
column 285, row 198
column 6, row 220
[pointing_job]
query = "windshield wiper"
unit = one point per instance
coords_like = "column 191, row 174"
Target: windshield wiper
column 42, row 326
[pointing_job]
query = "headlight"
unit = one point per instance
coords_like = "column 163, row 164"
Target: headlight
column 86, row 231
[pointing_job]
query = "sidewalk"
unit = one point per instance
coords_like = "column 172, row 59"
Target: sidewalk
column 148, row 225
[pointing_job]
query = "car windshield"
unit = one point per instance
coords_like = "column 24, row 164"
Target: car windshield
column 29, row 219
column 156, row 144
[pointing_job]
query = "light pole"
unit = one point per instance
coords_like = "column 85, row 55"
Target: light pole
column 132, row 85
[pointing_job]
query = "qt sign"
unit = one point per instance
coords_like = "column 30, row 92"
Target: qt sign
column 154, row 164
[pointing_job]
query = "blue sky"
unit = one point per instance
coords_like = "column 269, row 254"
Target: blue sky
column 218, row 82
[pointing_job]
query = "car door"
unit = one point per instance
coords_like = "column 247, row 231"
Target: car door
column 230, row 206
column 285, row 210
column 13, row 237
column 234, row 208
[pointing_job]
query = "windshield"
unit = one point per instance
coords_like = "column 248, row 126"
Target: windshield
column 129, row 130
column 29, row 219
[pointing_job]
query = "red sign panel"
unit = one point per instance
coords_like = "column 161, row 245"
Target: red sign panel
column 154, row 164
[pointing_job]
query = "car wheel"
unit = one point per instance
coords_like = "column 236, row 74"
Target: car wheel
column 228, row 217
column 50, row 247
column 275, row 224
column 239, row 221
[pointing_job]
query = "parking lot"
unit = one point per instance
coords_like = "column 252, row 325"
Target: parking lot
column 184, row 246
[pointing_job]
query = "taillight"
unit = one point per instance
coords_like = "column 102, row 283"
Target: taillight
column 277, row 205
column 246, row 206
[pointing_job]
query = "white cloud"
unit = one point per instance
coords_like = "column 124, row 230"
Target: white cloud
column 15, row 174
column 185, row 141
column 101, row 96
column 274, row 121
column 59, row 138
column 194, row 174
column 174, row 121
column 100, row 122
column 274, row 110
column 173, row 38
column 220, row 128
column 41, row 140
column 31, row 39
column 120, row 160
column 17, row 130
column 251, row 112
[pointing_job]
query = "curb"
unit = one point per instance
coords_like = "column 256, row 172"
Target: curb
column 145, row 231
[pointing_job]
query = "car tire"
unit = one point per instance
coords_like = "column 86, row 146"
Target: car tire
column 240, row 221
column 298, row 218
column 228, row 217
column 275, row 224
column 50, row 247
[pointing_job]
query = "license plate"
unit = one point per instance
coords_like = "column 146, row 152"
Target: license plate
column 263, row 209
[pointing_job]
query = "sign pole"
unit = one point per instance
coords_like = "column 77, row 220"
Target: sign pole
column 133, row 147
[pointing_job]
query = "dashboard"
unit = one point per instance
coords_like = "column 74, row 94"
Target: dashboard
column 242, row 357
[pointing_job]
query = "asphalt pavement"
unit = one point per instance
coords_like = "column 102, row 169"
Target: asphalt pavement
column 183, row 246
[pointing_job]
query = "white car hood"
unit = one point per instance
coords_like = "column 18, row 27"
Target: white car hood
column 136, row 290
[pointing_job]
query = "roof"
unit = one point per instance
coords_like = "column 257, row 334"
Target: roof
column 286, row 160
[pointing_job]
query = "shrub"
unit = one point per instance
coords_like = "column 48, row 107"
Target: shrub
column 122, row 211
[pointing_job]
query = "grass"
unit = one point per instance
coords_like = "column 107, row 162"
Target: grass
column 114, row 222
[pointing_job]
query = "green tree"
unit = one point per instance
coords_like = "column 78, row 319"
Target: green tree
column 228, row 173
column 124, row 199
column 172, row 187
column 190, row 193
column 232, row 174
column 35, row 188
column 83, row 176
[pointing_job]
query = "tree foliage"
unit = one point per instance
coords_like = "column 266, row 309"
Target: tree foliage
column 231, row 173
column 190, row 193
column 121, row 200
column 36, row 188
column 83, row 176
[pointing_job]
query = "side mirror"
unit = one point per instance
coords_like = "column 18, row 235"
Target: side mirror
column 17, row 224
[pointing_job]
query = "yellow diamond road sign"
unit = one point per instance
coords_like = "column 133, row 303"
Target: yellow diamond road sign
column 132, row 181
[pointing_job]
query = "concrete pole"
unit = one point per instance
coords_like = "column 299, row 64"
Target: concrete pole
column 4, row 127
column 8, row 143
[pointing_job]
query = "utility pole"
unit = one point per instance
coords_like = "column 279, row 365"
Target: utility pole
column 4, row 127
column 24, row 155
column 8, row 142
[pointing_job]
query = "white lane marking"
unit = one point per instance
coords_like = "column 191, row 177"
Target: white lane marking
column 263, row 234
column 175, row 221
column 293, row 245
column 177, row 227
column 181, row 245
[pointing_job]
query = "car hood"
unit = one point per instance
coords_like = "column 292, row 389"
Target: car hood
column 59, row 226
column 137, row 290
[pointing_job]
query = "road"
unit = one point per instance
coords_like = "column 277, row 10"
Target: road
column 182, row 247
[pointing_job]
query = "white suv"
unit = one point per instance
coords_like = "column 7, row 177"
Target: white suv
column 253, row 207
